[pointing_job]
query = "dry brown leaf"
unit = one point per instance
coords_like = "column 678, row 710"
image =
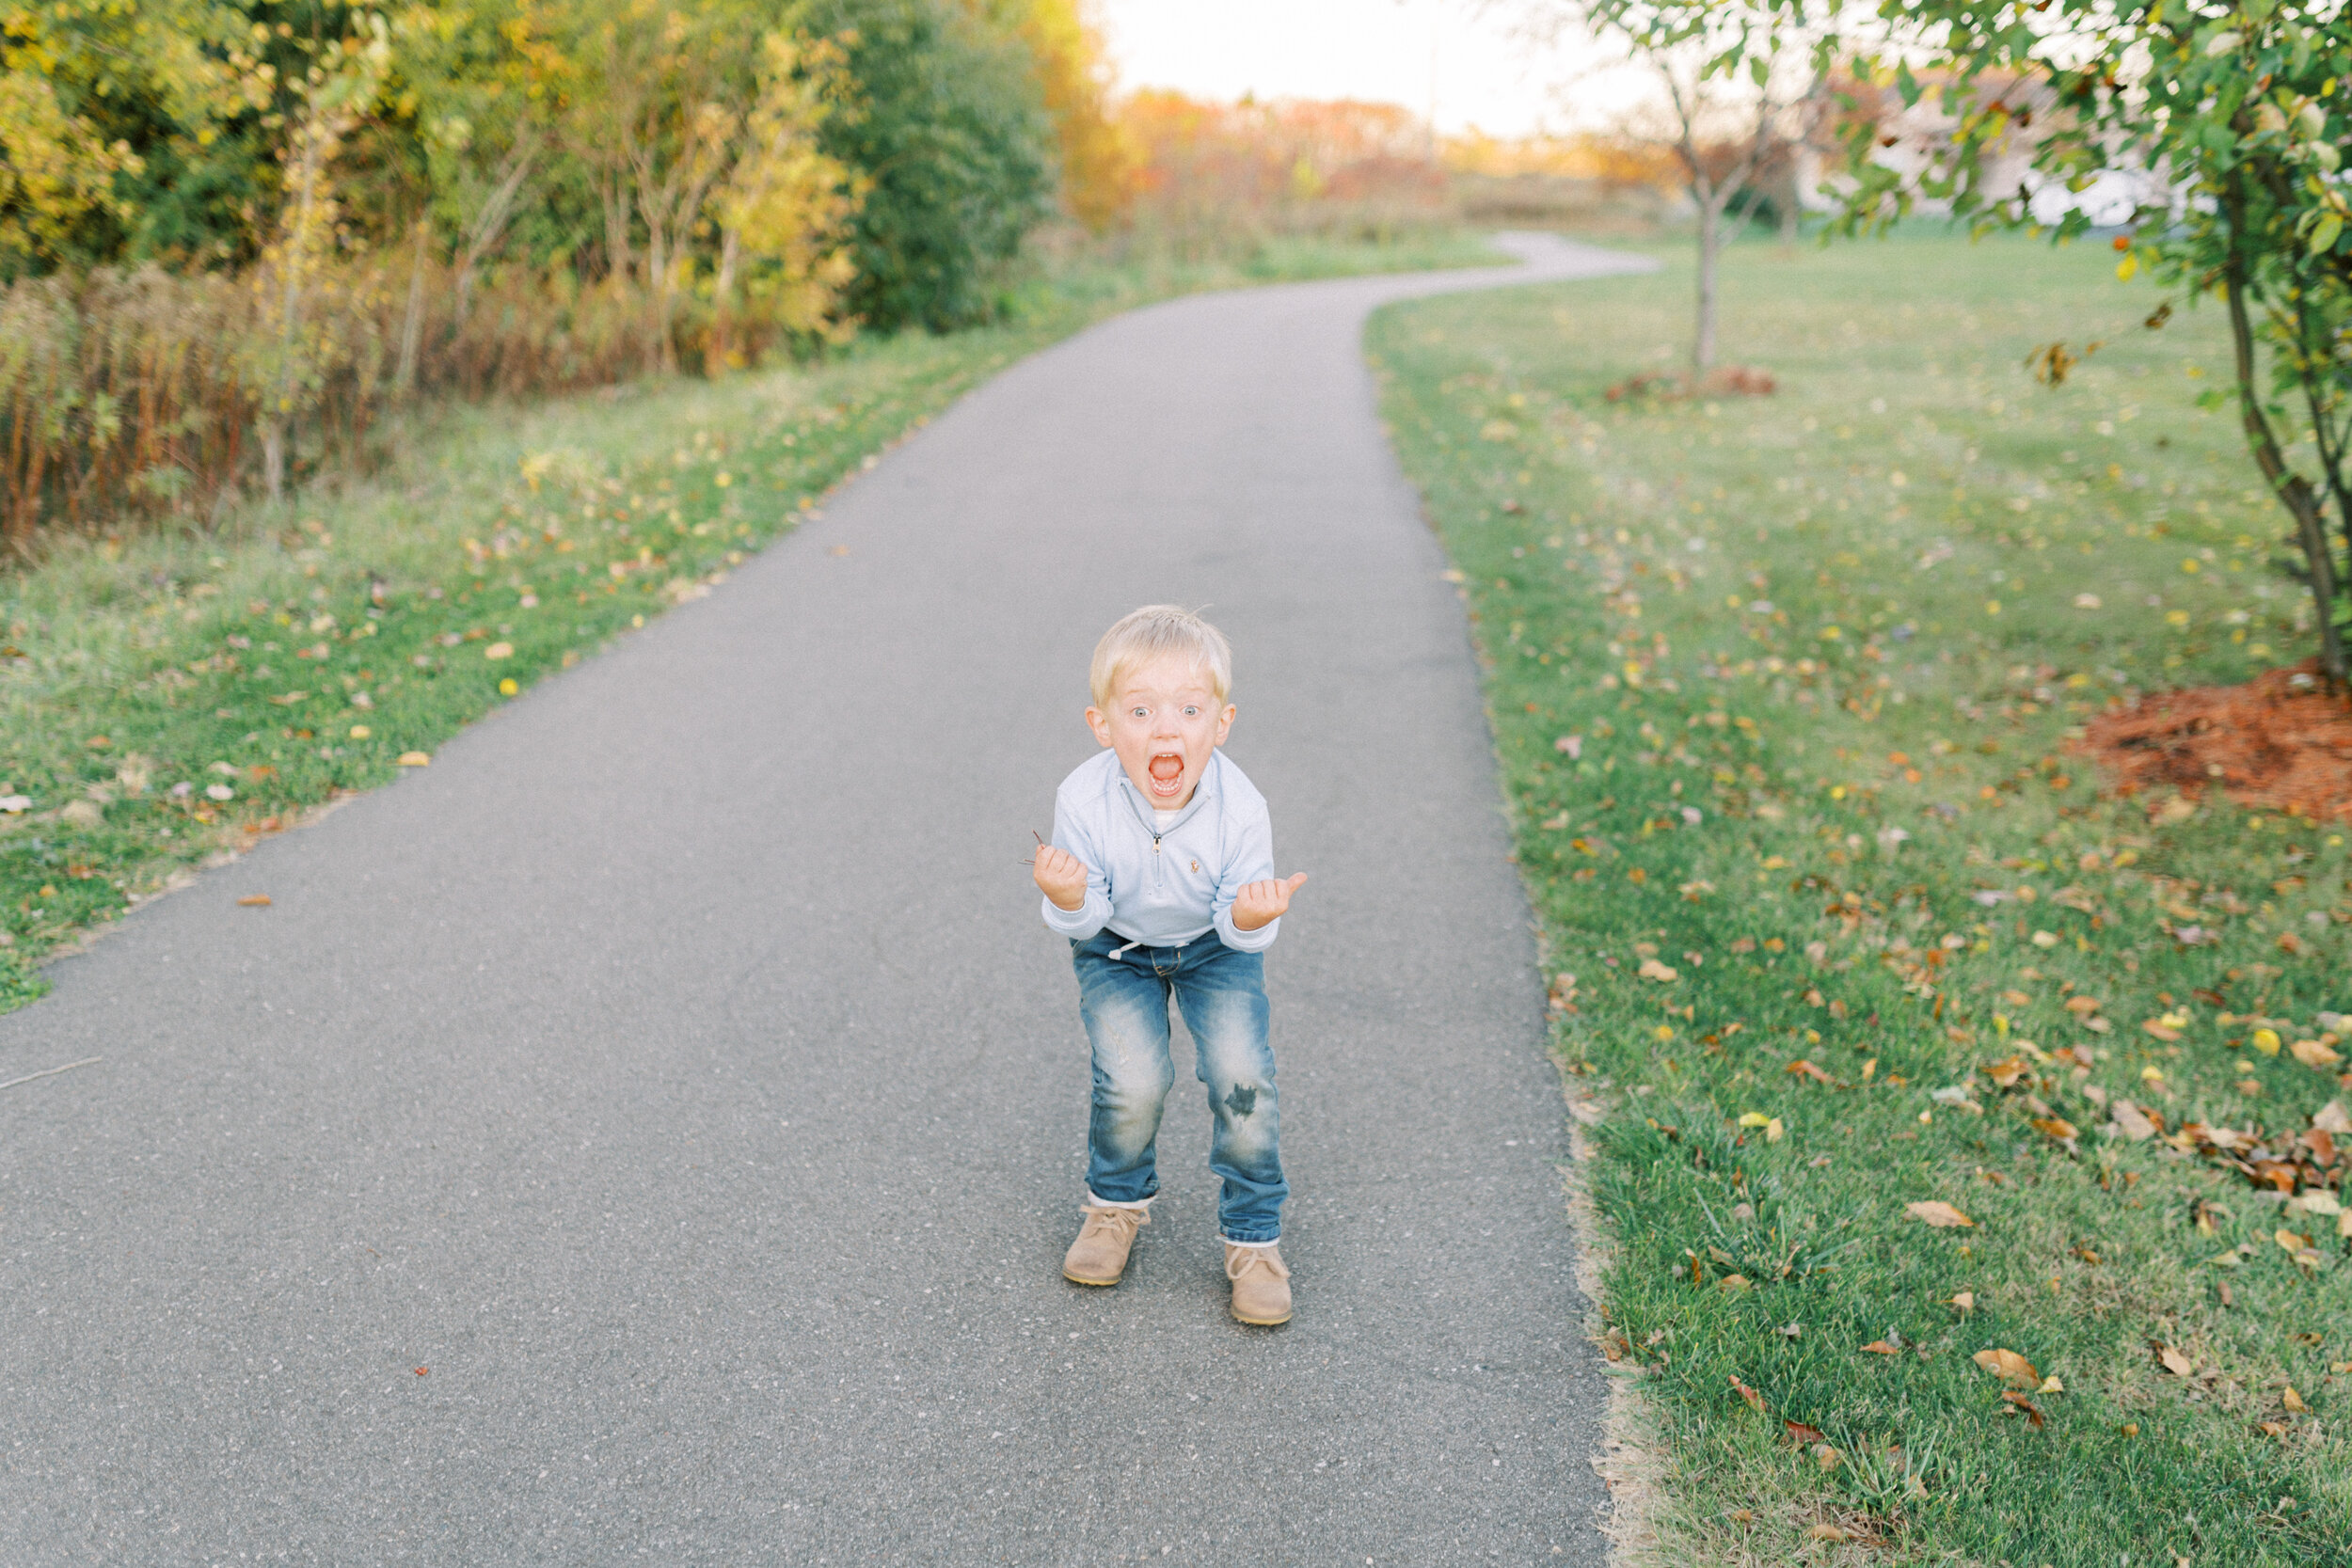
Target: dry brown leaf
column 2294, row 1401
column 1880, row 1347
column 2010, row 1367
column 2082, row 1006
column 2021, row 1402
column 1809, row 1070
column 2056, row 1127
column 1652, row 969
column 2132, row 1121
column 1827, row 1457
column 412, row 759
column 1826, row 1532
column 1801, row 1435
column 254, row 901
column 2332, row 1117
column 1965, row 1302
column 2162, row 1031
column 2312, row 1053
column 1937, row 1212
column 2007, row 1072
column 1756, row 1401
column 2176, row 1361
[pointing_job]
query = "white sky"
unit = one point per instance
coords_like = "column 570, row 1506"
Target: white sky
column 1396, row 51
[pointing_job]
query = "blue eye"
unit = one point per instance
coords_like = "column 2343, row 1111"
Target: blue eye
column 1192, row 713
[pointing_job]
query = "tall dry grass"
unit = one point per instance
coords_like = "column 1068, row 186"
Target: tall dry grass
column 136, row 397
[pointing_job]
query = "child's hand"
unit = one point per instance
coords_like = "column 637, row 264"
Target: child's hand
column 1261, row 903
column 1062, row 876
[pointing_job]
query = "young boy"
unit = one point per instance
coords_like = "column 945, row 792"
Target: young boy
column 1161, row 874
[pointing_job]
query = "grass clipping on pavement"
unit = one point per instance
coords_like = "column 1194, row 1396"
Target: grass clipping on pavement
column 168, row 698
column 1970, row 1132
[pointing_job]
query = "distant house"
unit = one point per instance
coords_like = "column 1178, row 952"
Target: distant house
column 1915, row 142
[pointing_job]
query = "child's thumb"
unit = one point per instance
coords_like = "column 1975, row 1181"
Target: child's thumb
column 1296, row 881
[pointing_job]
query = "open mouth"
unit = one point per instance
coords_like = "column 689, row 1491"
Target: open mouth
column 1168, row 774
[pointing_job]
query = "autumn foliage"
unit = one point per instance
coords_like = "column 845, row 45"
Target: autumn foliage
column 232, row 233
column 1208, row 170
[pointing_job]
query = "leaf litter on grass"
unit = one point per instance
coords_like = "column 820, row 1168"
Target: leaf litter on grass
column 1922, row 889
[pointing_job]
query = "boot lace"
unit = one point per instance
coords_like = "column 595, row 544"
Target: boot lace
column 1124, row 1221
column 1241, row 1260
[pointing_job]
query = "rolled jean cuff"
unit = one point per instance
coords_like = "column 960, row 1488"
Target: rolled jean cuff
column 1094, row 1202
column 1258, row 1241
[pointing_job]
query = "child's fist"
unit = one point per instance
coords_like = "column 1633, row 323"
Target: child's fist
column 1261, row 903
column 1062, row 876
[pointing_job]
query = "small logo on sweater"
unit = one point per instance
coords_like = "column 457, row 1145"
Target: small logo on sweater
column 1195, row 866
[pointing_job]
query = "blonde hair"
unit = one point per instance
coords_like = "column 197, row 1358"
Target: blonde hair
column 1157, row 629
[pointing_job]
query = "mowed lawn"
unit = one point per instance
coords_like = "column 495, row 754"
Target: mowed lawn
column 1784, row 689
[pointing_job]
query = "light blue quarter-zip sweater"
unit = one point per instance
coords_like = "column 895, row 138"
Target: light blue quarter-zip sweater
column 1162, row 886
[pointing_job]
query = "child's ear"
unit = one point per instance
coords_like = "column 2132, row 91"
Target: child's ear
column 1099, row 726
column 1224, row 723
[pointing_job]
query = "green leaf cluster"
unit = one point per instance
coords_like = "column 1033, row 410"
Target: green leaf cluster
column 2228, row 120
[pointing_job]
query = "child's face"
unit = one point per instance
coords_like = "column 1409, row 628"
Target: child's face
column 1163, row 721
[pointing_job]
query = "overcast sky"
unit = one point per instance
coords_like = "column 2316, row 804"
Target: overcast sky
column 1456, row 55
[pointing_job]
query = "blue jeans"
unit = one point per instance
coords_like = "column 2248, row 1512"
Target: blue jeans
column 1222, row 992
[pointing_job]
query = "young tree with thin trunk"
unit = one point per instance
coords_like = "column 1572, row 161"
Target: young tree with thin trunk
column 341, row 83
column 1739, row 87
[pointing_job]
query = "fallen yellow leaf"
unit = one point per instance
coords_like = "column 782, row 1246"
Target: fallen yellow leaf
column 254, row 901
column 2175, row 1361
column 1773, row 1130
column 499, row 650
column 412, row 759
column 2294, row 1401
column 1652, row 969
column 1755, row 1118
column 2010, row 1367
column 1937, row 1212
column 2266, row 1042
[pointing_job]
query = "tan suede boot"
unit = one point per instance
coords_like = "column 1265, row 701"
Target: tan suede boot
column 1261, row 1286
column 1099, row 1256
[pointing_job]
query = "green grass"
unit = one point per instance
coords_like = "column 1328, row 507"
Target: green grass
column 166, row 697
column 1823, row 657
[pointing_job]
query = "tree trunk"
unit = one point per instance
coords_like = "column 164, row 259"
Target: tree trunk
column 723, row 304
column 1710, row 245
column 294, row 255
column 2293, row 490
column 412, row 323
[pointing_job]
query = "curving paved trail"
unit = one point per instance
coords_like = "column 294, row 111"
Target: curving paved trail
column 678, row 1068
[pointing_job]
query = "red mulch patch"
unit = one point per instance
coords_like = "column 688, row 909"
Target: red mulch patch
column 2269, row 744
column 1725, row 381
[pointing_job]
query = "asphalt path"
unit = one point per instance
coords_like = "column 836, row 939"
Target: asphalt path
column 651, row 1133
